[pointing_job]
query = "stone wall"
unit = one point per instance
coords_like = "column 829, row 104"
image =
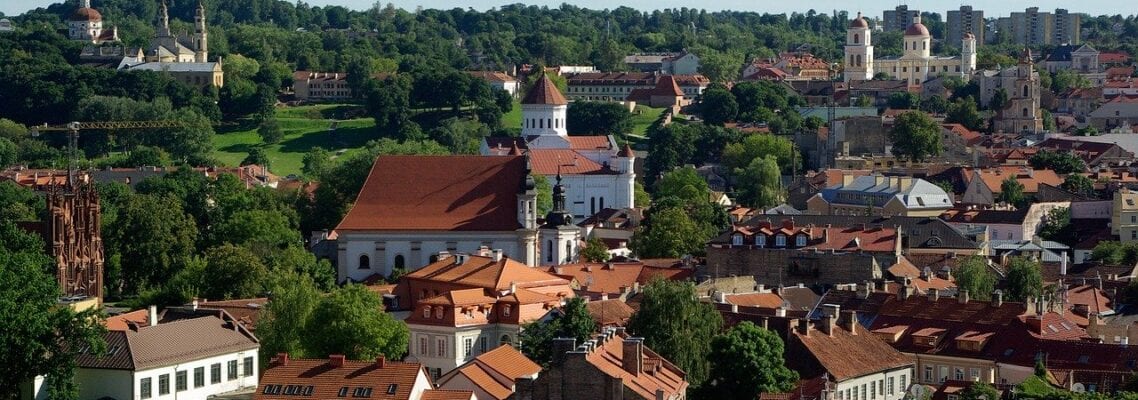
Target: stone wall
column 774, row 267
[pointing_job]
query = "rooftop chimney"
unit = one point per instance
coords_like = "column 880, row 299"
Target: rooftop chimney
column 934, row 295
column 1035, row 322
column 850, row 321
column 336, row 360
column 997, row 298
column 828, row 324
column 780, row 312
column 962, row 296
column 720, row 297
column 561, row 349
column 282, row 358
column 632, row 355
column 804, row 327
column 497, row 254
column 381, row 362
column 152, row 315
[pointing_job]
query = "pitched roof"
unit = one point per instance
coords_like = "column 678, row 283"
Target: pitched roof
column 567, row 161
column 493, row 76
column 845, row 354
column 1029, row 177
column 441, row 394
column 667, row 86
column 388, row 380
column 149, row 347
column 609, row 278
column 452, row 193
column 593, row 142
column 484, row 272
column 608, row 357
column 765, row 300
column 610, row 312
column 922, row 232
column 544, row 92
column 494, row 371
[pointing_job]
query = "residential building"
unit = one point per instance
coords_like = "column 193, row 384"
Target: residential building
column 1066, row 27
column 1115, row 115
column 86, row 24
column 915, row 66
column 880, row 195
column 983, row 186
column 962, row 21
column 1094, row 154
column 790, row 66
column 465, row 305
column 491, row 375
column 617, row 279
column 499, row 80
column 597, row 173
column 1035, row 248
column 898, row 19
column 616, row 86
column 856, row 364
column 194, row 358
column 411, row 208
column 666, row 94
column 1033, row 27
column 321, row 86
column 614, row 227
column 338, row 377
column 1006, row 225
column 1124, row 215
column 682, row 63
column 613, row 366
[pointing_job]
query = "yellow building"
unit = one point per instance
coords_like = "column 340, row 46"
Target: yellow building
column 1124, row 215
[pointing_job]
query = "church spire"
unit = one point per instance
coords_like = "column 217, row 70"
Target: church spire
column 558, row 216
column 164, row 23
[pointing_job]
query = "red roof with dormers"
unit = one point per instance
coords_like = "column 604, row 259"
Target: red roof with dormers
column 325, row 378
column 822, row 238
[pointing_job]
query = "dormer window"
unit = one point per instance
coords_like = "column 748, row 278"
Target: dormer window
column 506, row 310
column 780, row 240
column 737, row 240
column 427, row 312
column 800, row 241
column 438, row 312
column 761, row 240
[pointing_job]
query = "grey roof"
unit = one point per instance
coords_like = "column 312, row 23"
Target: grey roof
column 782, row 209
column 1116, row 110
column 170, row 343
column 839, row 112
column 1128, row 141
column 920, row 194
column 917, row 232
column 1046, row 248
column 174, row 67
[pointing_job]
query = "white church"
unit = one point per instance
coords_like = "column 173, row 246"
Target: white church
column 915, row 66
column 595, row 171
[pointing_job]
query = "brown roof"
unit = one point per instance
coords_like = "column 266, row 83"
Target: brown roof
column 666, row 86
column 594, row 142
column 1028, row 177
column 845, row 355
column 566, row 161
column 494, row 371
column 388, row 380
column 494, row 76
column 765, row 300
column 86, row 14
column 484, row 272
column 440, row 394
column 610, row 278
column 609, row 312
column 859, row 22
column 453, row 193
column 917, row 29
column 149, row 347
column 608, row 357
column 545, row 92
column 121, row 322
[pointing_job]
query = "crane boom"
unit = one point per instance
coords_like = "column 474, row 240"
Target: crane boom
column 73, row 128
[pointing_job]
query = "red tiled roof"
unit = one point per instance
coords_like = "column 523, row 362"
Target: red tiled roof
column 453, row 193
column 484, row 272
column 764, row 300
column 661, row 374
column 327, row 379
column 595, row 142
column 610, row 312
column 120, row 322
column 846, row 355
column 544, row 92
column 493, row 76
column 567, row 161
column 611, row 278
column 441, row 394
column 1113, row 58
column 494, row 371
column 666, row 86
column 1030, row 178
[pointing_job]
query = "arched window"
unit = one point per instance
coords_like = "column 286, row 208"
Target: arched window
column 365, row 261
column 399, row 262
column 855, row 39
column 1024, row 91
column 1025, row 111
column 506, row 340
column 858, row 60
column 506, row 310
column 548, row 251
column 568, row 250
column 602, row 203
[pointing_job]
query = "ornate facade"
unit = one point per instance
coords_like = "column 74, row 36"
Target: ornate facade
column 74, row 238
column 916, row 64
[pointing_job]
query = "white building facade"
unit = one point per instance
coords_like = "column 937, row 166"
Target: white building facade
column 915, row 66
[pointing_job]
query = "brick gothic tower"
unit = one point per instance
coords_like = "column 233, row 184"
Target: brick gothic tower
column 74, row 239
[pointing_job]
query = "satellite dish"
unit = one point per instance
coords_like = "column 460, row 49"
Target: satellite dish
column 1078, row 388
column 918, row 391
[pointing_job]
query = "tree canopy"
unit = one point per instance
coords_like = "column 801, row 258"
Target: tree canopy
column 915, row 137
column 974, row 276
column 675, row 324
column 748, row 361
column 1024, row 279
column 351, row 321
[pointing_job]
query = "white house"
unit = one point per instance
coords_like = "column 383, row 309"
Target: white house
column 595, row 171
column 498, row 80
column 411, row 208
column 186, row 359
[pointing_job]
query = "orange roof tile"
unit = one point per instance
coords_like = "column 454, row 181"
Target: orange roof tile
column 119, row 322
column 439, row 394
column 594, row 142
column 608, row 278
column 608, row 358
column 994, row 177
column 484, row 272
column 545, row 92
column 764, row 300
column 567, row 161
column 609, row 312
column 494, row 371
column 462, row 297
column 454, row 193
column 326, row 379
column 845, row 355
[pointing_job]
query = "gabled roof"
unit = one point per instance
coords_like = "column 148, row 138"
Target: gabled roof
column 1029, row 177
column 388, row 380
column 567, row 161
column 545, row 92
column 610, row 312
column 846, row 355
column 447, row 193
column 609, row 278
column 495, row 371
column 608, row 357
column 484, row 272
column 150, row 347
column 493, row 76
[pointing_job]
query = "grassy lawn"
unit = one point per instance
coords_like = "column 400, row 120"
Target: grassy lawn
column 304, row 127
column 643, row 118
column 513, row 119
column 1035, row 387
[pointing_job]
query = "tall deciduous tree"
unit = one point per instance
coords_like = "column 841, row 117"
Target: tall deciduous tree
column 740, row 154
column 974, row 276
column 675, row 324
column 760, row 184
column 598, row 118
column 718, row 106
column 281, row 327
column 672, row 234
column 595, row 250
column 154, row 238
column 1011, row 192
column 748, row 360
column 574, row 321
column 351, row 322
column 915, row 137
column 232, row 272
column 963, row 111
column 1024, row 279
column 1079, row 184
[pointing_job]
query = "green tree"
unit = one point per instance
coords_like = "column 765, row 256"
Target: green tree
column 974, row 276
column 595, row 251
column 748, row 361
column 672, row 234
column 283, row 323
column 351, row 321
column 39, row 336
column 536, row 341
column 257, row 156
column 915, row 136
column 232, row 272
column 316, row 163
column 641, row 196
column 935, row 104
column 270, row 131
column 675, row 324
column 760, row 184
column 963, row 111
column 999, row 100
column 979, row 391
column 261, row 230
column 598, row 118
column 685, row 184
column 146, row 156
column 668, row 147
column 1062, row 163
column 904, row 101
column 1011, row 192
column 154, row 237
column 718, row 106
column 1057, row 227
column 1115, row 253
column 738, row 155
column 1079, row 184
column 544, row 191
column 574, row 321
column 1024, row 279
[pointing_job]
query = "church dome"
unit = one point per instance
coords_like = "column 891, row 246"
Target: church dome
column 859, row 22
column 86, row 14
column 917, row 29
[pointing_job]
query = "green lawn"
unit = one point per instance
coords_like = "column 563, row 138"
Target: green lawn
column 304, row 128
column 643, row 118
column 513, row 119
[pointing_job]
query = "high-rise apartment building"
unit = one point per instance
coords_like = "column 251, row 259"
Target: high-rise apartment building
column 898, row 19
column 965, row 20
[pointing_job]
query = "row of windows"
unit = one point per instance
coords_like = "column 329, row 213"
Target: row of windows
column 330, row 93
column 440, row 349
column 621, row 90
column 958, row 374
column 779, row 240
column 440, row 311
column 869, row 391
column 540, row 123
column 400, row 262
column 181, row 382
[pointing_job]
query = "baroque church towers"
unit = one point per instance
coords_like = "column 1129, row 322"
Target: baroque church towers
column 186, row 47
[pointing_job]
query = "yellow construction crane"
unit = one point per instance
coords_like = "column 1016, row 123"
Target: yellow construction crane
column 73, row 129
